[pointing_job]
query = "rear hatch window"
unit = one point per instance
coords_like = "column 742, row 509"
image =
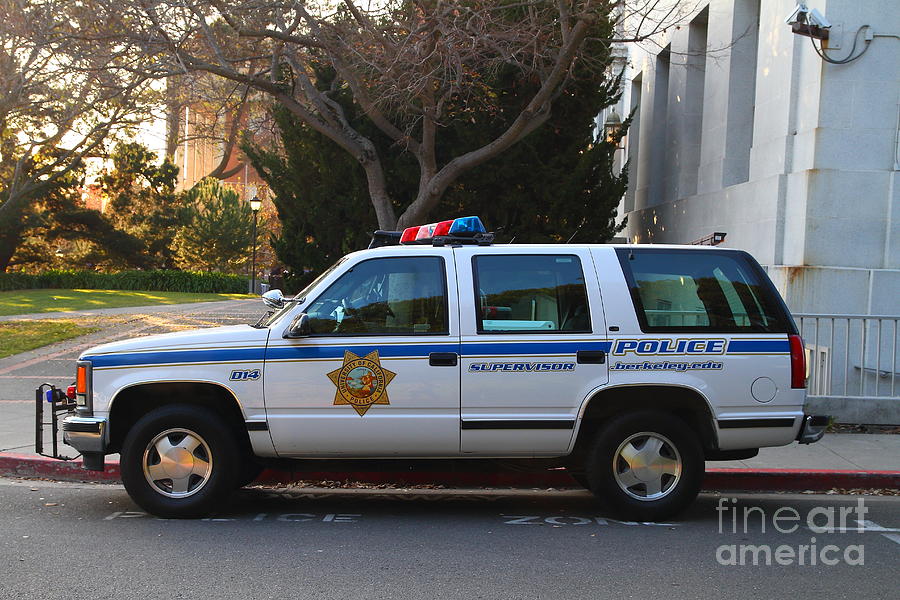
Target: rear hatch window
column 696, row 291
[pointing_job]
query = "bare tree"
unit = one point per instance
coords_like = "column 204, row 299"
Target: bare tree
column 62, row 94
column 220, row 110
column 411, row 65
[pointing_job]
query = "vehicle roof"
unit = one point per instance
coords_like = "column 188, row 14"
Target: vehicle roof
column 559, row 246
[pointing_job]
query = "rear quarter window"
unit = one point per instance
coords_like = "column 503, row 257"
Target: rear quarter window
column 702, row 291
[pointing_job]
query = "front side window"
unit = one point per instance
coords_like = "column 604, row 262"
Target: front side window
column 384, row 296
column 687, row 290
column 530, row 293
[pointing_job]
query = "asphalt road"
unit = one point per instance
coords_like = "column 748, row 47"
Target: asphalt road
column 89, row 541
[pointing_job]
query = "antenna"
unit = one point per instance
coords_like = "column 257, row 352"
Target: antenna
column 574, row 233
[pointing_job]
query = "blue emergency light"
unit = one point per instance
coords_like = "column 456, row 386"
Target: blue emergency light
column 467, row 226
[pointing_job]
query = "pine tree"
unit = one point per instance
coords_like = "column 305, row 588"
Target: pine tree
column 56, row 230
column 218, row 229
column 143, row 203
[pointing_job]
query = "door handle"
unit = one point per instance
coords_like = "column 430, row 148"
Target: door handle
column 590, row 357
column 443, row 359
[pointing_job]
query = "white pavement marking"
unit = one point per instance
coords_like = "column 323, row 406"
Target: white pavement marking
column 893, row 537
column 875, row 527
column 574, row 520
column 280, row 517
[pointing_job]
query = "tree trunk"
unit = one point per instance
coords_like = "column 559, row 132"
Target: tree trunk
column 384, row 208
column 418, row 212
column 173, row 117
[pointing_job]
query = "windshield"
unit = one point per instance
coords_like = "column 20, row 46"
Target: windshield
column 273, row 316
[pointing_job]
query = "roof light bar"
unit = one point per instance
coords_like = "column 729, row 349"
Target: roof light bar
column 443, row 228
column 426, row 232
column 409, row 235
column 464, row 230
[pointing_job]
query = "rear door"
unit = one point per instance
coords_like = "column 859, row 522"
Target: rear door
column 533, row 347
column 379, row 376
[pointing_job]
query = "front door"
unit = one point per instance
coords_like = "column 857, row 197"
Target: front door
column 379, row 376
column 534, row 347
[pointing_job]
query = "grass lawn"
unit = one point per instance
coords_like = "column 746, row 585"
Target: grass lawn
column 20, row 302
column 19, row 336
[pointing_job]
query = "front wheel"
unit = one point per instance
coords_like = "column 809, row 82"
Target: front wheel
column 646, row 466
column 179, row 461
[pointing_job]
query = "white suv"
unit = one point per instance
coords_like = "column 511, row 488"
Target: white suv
column 629, row 365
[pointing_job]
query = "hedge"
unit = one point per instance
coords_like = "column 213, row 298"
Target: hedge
column 161, row 281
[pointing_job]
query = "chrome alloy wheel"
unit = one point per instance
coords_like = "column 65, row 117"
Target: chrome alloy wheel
column 177, row 463
column 647, row 466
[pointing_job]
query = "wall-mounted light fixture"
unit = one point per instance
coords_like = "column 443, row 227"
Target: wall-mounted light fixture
column 612, row 130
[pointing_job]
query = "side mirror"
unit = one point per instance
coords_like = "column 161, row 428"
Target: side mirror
column 299, row 327
column 273, row 299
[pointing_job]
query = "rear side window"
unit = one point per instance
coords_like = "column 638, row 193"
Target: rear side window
column 686, row 290
column 530, row 293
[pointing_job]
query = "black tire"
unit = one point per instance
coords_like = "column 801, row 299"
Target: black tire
column 620, row 485
column 176, row 429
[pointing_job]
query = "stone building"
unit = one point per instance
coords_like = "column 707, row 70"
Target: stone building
column 741, row 126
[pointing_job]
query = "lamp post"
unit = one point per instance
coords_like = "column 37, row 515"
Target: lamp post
column 255, row 205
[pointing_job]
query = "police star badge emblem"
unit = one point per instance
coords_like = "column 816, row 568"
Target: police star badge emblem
column 361, row 381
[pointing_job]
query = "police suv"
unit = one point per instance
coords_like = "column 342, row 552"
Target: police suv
column 628, row 365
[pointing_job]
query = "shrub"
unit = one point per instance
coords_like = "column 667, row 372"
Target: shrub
column 159, row 280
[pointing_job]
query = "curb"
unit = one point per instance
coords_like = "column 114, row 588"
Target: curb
column 764, row 480
column 30, row 465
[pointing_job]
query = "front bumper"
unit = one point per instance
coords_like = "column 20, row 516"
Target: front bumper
column 85, row 434
column 812, row 428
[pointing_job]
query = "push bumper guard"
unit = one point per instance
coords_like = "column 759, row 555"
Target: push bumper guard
column 85, row 434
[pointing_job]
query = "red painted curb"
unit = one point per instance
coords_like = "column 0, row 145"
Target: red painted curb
column 767, row 480
column 29, row 465
column 798, row 479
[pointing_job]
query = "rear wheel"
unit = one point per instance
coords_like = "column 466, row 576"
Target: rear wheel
column 180, row 461
column 646, row 466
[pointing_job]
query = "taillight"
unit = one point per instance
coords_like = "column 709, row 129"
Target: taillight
column 798, row 362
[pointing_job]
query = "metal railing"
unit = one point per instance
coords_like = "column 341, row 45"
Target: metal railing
column 851, row 356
